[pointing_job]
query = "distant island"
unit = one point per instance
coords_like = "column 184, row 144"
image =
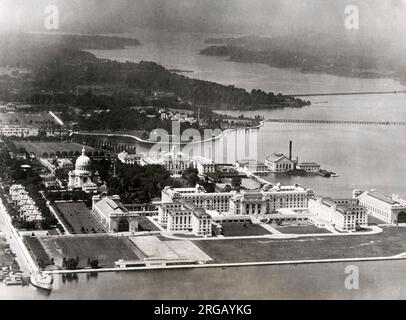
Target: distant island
column 61, row 72
column 336, row 56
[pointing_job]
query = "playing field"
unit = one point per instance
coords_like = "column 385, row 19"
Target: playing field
column 78, row 218
column 106, row 249
column 39, row 148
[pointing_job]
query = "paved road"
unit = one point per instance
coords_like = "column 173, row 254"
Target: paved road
column 23, row 258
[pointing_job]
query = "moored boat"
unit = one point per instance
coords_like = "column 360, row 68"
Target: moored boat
column 41, row 280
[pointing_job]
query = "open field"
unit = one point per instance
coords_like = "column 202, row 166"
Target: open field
column 78, row 217
column 388, row 243
column 39, row 148
column 239, row 230
column 27, row 119
column 107, row 249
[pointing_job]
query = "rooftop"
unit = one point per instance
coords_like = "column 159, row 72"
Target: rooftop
column 382, row 197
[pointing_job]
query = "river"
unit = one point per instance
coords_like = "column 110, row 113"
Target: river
column 364, row 157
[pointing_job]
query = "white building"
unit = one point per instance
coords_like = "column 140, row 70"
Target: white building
column 342, row 214
column 390, row 209
column 18, row 131
column 252, row 166
column 174, row 162
column 279, row 163
column 203, row 165
column 178, row 204
column 186, row 217
column 267, row 201
column 82, row 177
column 26, row 205
column 130, row 159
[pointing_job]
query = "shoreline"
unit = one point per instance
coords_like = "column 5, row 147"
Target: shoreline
column 140, row 140
column 399, row 257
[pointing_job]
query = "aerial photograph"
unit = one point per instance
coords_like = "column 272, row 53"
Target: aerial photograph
column 202, row 150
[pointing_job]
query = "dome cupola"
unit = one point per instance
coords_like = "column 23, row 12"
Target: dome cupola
column 83, row 162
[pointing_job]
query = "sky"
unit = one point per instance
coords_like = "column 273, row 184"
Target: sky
column 380, row 18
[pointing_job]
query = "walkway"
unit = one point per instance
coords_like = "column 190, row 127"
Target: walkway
column 374, row 230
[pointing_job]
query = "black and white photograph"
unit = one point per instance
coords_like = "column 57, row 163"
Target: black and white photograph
column 202, row 150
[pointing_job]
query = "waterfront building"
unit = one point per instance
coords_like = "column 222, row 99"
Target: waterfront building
column 230, row 204
column 112, row 214
column 390, row 209
column 310, row 167
column 83, row 177
column 129, row 159
column 279, row 163
column 342, row 214
column 252, row 166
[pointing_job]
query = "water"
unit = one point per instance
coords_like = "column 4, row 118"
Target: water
column 364, row 157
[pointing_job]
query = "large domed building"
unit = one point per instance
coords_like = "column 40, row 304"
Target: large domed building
column 82, row 177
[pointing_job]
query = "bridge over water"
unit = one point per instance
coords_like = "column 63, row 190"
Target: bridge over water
column 346, row 122
column 343, row 93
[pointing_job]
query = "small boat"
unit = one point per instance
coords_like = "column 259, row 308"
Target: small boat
column 41, row 280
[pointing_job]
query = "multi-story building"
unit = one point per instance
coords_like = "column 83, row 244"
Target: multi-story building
column 279, row 163
column 204, row 166
column 267, row 201
column 130, row 159
column 187, row 217
column 342, row 214
column 179, row 204
column 390, row 209
column 174, row 162
column 18, row 131
column 26, row 205
column 171, row 199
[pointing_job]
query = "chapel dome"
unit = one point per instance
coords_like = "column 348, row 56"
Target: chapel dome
column 83, row 162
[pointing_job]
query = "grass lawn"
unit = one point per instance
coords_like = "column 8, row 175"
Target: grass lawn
column 49, row 147
column 388, row 243
column 239, row 229
column 304, row 229
column 144, row 224
column 78, row 217
column 107, row 249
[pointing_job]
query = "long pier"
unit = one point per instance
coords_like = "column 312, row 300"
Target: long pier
column 343, row 93
column 346, row 122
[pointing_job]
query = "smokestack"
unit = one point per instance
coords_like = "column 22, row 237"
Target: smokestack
column 290, row 150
